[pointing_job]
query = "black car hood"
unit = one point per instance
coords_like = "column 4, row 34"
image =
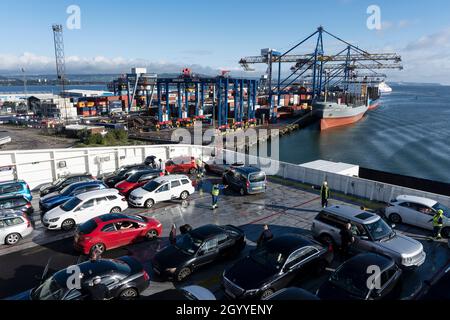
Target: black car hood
column 248, row 274
column 329, row 291
column 26, row 295
column 171, row 257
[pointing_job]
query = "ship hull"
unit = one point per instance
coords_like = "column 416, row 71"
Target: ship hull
column 336, row 115
column 328, row 123
column 374, row 105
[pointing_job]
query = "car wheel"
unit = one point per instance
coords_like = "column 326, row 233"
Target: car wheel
column 149, row 203
column 184, row 195
column 12, row 239
column 116, row 210
column 242, row 192
column 327, row 240
column 98, row 248
column 151, row 234
column 128, row 294
column 395, row 218
column 445, row 232
column 192, row 171
column 183, row 274
column 267, row 293
column 68, row 225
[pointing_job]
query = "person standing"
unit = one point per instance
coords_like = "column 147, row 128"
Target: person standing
column 325, row 194
column 215, row 192
column 199, row 164
column 265, row 236
column 347, row 239
column 96, row 290
column 199, row 183
column 438, row 222
column 173, row 235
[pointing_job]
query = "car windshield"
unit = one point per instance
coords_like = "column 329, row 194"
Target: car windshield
column 257, row 177
column 270, row 258
column 439, row 206
column 379, row 230
column 66, row 191
column 71, row 204
column 189, row 244
column 49, row 290
column 152, row 186
column 348, row 280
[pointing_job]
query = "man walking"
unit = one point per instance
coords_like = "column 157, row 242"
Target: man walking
column 265, row 236
column 215, row 194
column 347, row 240
column 438, row 221
column 325, row 194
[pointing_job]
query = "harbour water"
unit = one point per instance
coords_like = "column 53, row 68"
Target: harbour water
column 408, row 134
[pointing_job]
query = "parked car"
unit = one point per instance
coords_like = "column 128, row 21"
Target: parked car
column 351, row 281
column 125, row 278
column 63, row 182
column 112, row 231
column 220, row 167
column 186, row 165
column 292, row 294
column 162, row 189
column 55, row 199
column 122, row 173
column 189, row 293
column 246, row 180
column 137, row 180
column 17, row 203
column 197, row 248
column 439, row 289
column 14, row 225
column 372, row 234
column 417, row 211
column 15, row 187
column 274, row 265
column 84, row 207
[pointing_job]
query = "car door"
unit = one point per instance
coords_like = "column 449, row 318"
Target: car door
column 224, row 242
column 163, row 193
column 85, row 211
column 298, row 264
column 175, row 189
column 424, row 216
column 388, row 282
column 110, row 236
column 102, row 206
column 407, row 211
column 128, row 231
column 208, row 252
column 363, row 242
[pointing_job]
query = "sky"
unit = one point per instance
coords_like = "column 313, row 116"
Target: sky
column 210, row 35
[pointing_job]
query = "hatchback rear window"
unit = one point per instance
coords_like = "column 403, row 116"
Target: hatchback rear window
column 9, row 188
column 87, row 227
column 185, row 181
column 13, row 221
column 257, row 177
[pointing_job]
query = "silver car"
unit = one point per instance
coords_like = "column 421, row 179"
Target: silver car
column 372, row 234
column 14, row 226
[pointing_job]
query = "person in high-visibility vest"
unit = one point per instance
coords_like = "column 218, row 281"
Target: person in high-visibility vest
column 325, row 194
column 215, row 192
column 438, row 222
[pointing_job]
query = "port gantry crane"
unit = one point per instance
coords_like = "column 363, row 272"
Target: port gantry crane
column 342, row 68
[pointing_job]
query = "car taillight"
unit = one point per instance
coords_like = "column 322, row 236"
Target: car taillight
column 28, row 205
column 248, row 184
column 146, row 276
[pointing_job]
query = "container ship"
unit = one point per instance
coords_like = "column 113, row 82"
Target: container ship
column 337, row 114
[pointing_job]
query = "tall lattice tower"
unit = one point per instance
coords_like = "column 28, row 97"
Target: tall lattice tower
column 60, row 57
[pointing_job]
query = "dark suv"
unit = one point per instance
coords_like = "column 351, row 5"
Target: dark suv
column 63, row 182
column 246, row 180
column 122, row 174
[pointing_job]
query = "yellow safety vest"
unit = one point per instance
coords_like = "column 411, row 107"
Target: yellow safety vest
column 437, row 220
column 215, row 191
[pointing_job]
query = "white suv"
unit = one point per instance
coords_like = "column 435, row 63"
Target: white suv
column 418, row 212
column 84, row 207
column 162, row 189
column 14, row 225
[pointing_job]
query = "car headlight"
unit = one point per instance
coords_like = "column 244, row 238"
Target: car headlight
column 54, row 220
column 407, row 260
column 171, row 270
column 251, row 292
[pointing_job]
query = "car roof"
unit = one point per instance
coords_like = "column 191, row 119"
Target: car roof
column 86, row 183
column 365, row 260
column 115, row 216
column 146, row 171
column 288, row 243
column 247, row 170
column 171, row 177
column 13, row 196
column 425, row 201
column 354, row 214
column 207, row 231
column 97, row 193
column 76, row 175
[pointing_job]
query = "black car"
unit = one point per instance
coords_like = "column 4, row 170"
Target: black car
column 274, row 265
column 197, row 248
column 438, row 290
column 17, row 203
column 125, row 278
column 291, row 294
column 367, row 276
column 122, row 174
column 220, row 168
column 63, row 182
column 245, row 180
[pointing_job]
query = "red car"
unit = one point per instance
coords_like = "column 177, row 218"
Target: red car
column 137, row 180
column 112, row 231
column 181, row 165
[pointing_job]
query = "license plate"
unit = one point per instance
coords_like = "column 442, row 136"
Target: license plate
column 257, row 188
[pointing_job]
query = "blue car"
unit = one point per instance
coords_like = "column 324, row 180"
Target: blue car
column 14, row 188
column 56, row 199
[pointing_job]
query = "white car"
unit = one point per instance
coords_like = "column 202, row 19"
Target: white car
column 84, row 207
column 418, row 212
column 162, row 189
column 14, row 225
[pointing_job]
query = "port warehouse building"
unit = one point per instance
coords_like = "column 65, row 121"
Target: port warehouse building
column 38, row 167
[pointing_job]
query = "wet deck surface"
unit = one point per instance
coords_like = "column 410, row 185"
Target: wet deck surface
column 285, row 209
